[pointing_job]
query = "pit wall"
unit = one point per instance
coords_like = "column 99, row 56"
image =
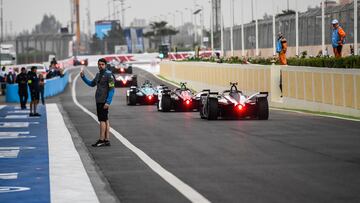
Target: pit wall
column 53, row 86
column 307, row 88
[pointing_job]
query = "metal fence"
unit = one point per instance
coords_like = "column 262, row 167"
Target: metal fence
column 309, row 28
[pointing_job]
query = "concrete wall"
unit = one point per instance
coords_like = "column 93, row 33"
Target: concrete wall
column 308, row 88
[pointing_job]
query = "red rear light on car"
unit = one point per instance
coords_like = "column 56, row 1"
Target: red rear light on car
column 122, row 70
column 150, row 97
column 187, row 102
column 82, row 62
column 124, row 82
column 239, row 107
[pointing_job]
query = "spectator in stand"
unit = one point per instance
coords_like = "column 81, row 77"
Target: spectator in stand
column 22, row 80
column 338, row 38
column 11, row 77
column 33, row 82
column 281, row 48
column 42, row 88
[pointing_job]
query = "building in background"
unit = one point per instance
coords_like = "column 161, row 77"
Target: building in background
column 102, row 27
column 134, row 39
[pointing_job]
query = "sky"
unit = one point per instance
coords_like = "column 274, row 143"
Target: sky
column 20, row 15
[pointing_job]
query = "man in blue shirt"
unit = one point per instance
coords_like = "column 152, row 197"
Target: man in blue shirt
column 105, row 84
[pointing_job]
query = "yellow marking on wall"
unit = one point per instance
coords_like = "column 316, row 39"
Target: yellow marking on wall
column 328, row 93
column 268, row 80
column 318, row 87
column 358, row 91
column 262, row 81
column 292, row 84
column 300, row 85
column 349, row 91
column 338, row 89
column 308, row 86
column 285, row 84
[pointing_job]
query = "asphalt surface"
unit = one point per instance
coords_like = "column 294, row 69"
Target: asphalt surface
column 291, row 157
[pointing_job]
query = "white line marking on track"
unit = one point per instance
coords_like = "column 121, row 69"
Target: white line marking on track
column 67, row 173
column 16, row 124
column 8, row 176
column 18, row 117
column 2, row 106
column 190, row 193
column 315, row 114
column 4, row 189
column 19, row 111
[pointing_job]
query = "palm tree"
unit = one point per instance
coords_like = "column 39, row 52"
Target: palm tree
column 158, row 32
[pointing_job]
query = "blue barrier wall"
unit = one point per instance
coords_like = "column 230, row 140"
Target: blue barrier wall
column 53, row 87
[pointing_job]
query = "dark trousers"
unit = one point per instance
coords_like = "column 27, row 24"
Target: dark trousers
column 23, row 98
column 42, row 96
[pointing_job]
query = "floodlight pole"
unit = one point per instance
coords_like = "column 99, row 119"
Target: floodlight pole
column 323, row 26
column 356, row 28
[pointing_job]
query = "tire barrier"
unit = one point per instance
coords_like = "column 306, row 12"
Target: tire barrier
column 53, row 87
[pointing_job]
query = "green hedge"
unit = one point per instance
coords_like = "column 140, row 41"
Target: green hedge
column 327, row 62
column 345, row 62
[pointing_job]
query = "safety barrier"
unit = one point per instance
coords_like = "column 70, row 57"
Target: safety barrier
column 308, row 88
column 53, row 87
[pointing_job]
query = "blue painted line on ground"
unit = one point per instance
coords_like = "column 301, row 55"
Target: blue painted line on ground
column 32, row 165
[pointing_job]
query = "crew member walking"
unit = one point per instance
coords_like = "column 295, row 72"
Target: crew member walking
column 104, row 83
column 281, row 48
column 338, row 38
column 22, row 80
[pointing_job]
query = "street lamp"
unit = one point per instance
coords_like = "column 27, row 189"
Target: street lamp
column 182, row 16
column 123, row 14
column 196, row 30
column 191, row 14
column 173, row 18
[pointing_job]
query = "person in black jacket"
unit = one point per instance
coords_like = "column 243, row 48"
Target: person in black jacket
column 10, row 77
column 33, row 82
column 22, row 80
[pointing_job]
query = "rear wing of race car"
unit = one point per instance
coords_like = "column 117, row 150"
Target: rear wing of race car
column 258, row 95
column 208, row 93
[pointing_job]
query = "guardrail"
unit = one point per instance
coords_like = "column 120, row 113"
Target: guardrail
column 53, row 87
column 308, row 88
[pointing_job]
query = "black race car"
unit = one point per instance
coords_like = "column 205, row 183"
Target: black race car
column 234, row 104
column 179, row 99
column 125, row 80
column 80, row 62
column 120, row 67
column 144, row 95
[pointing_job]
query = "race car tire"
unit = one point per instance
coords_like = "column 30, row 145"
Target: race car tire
column 129, row 70
column 134, row 82
column 202, row 108
column 165, row 103
column 263, row 109
column 212, row 108
column 132, row 99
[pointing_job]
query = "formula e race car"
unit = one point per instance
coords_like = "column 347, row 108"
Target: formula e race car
column 80, row 62
column 233, row 104
column 120, row 67
column 144, row 95
column 125, row 80
column 179, row 99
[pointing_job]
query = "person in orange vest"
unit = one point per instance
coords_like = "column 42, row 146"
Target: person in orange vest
column 338, row 38
column 281, row 48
